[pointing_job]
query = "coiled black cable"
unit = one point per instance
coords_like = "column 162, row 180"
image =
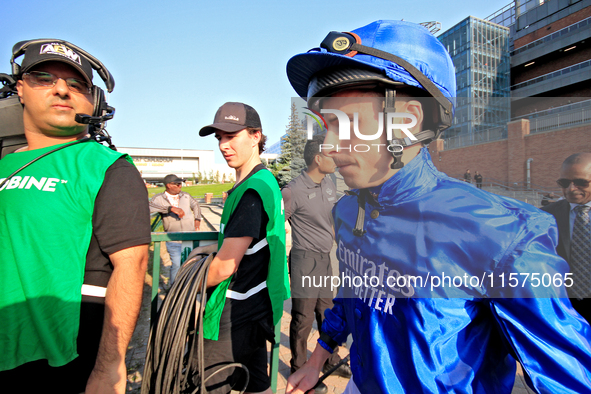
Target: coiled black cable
column 171, row 364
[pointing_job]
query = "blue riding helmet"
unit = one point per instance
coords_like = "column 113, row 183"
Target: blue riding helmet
column 390, row 53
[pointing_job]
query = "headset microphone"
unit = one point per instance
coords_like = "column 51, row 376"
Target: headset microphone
column 95, row 120
column 96, row 124
column 12, row 134
column 86, row 119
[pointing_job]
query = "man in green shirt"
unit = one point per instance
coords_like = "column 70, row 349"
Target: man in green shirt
column 73, row 251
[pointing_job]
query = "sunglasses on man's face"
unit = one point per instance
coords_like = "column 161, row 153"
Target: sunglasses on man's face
column 48, row 80
column 565, row 183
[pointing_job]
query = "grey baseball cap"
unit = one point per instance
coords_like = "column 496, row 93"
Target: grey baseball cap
column 231, row 118
column 171, row 178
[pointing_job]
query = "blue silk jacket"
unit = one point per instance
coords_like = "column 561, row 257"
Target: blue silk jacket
column 473, row 307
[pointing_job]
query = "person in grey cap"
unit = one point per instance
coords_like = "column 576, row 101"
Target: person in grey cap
column 180, row 212
column 308, row 201
column 74, row 234
column 247, row 279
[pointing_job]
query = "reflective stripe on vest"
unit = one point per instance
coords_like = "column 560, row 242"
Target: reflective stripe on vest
column 94, row 291
column 258, row 246
column 243, row 296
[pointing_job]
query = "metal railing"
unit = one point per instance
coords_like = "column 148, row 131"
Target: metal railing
column 532, row 194
column 196, row 238
column 486, row 181
column 551, row 119
column 512, row 186
column 553, row 36
column 479, row 137
column 504, row 17
column 555, row 110
column 551, row 75
column 574, row 117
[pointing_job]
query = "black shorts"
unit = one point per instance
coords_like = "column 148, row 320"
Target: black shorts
column 247, row 345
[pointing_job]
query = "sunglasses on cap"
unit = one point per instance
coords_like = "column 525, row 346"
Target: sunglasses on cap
column 565, row 183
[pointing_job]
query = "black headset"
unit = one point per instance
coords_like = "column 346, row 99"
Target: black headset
column 102, row 111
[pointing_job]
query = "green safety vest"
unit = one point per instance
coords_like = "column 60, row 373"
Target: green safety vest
column 266, row 186
column 45, row 231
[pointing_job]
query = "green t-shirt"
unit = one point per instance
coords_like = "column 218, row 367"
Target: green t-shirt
column 45, row 231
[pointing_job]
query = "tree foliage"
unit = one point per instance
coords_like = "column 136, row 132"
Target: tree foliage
column 283, row 176
column 275, row 167
column 297, row 165
column 294, row 140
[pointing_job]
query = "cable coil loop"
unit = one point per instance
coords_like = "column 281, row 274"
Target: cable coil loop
column 172, row 367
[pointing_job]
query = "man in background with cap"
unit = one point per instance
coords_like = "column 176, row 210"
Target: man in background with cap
column 406, row 227
column 308, row 201
column 74, row 235
column 247, row 279
column 180, row 212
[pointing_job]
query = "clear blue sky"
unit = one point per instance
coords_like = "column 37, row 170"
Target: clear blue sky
column 176, row 62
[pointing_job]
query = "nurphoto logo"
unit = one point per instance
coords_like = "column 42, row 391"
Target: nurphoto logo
column 344, row 129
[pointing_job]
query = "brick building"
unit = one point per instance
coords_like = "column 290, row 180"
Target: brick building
column 506, row 161
column 550, row 48
column 551, row 56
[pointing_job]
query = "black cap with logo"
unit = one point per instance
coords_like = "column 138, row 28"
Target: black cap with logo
column 231, row 118
column 56, row 51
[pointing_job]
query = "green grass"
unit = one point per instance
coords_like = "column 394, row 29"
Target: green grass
column 198, row 190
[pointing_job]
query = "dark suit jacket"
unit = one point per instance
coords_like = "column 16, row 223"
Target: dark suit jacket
column 561, row 211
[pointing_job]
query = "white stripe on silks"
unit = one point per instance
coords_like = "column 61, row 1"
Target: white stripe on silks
column 258, row 246
column 242, row 296
column 94, row 291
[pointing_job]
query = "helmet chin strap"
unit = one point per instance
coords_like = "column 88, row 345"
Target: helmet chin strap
column 445, row 105
column 423, row 137
column 390, row 107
